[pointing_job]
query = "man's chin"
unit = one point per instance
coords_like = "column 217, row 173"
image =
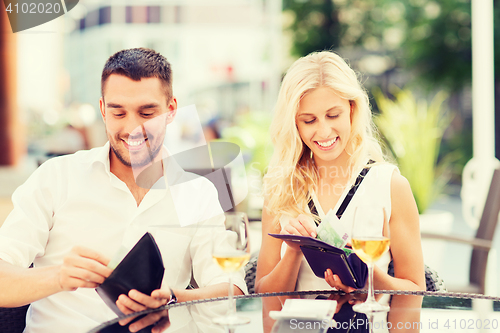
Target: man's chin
column 136, row 159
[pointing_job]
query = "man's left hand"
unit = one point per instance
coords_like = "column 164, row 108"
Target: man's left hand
column 137, row 301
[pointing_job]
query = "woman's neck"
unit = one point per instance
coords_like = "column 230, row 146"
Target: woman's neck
column 337, row 169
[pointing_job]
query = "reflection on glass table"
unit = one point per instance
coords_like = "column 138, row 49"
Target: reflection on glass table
column 409, row 312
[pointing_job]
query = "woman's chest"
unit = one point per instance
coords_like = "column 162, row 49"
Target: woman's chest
column 329, row 195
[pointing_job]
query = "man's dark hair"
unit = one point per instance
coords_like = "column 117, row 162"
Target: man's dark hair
column 136, row 64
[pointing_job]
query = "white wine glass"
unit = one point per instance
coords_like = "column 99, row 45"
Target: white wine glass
column 370, row 240
column 231, row 256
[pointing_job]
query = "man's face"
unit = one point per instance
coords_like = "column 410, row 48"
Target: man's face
column 136, row 114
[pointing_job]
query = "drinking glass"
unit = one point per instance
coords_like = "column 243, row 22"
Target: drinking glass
column 231, row 256
column 370, row 240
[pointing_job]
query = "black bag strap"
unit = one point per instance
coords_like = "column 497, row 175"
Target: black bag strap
column 347, row 198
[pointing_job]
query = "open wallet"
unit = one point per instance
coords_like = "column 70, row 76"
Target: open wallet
column 142, row 269
column 320, row 255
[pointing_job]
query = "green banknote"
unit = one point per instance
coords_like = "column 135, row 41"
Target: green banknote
column 327, row 233
column 347, row 251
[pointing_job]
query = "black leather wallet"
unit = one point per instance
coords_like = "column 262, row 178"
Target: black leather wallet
column 142, row 269
column 352, row 271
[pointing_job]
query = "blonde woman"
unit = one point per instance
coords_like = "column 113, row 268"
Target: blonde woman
column 323, row 136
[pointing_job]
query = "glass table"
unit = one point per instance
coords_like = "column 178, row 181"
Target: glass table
column 410, row 312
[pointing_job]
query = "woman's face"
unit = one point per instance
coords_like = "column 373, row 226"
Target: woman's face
column 324, row 124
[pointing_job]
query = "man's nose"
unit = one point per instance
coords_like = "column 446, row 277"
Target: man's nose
column 134, row 127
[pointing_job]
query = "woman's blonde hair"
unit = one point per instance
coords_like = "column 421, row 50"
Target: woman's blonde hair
column 292, row 171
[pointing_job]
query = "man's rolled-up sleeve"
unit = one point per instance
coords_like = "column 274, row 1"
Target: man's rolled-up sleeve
column 209, row 235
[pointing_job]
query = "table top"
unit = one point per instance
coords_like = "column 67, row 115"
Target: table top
column 410, row 312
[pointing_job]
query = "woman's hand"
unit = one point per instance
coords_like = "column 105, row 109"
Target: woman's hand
column 136, row 301
column 347, row 298
column 302, row 226
column 334, row 281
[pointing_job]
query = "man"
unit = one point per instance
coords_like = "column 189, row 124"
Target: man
column 76, row 211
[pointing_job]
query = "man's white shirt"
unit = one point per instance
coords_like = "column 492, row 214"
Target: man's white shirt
column 76, row 200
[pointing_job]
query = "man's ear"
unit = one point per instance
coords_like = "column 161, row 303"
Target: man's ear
column 172, row 110
column 101, row 107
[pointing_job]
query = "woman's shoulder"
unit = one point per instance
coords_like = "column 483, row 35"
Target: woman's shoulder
column 386, row 166
column 389, row 173
column 382, row 172
column 399, row 184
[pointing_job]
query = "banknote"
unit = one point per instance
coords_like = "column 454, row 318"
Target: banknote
column 347, row 251
column 327, row 233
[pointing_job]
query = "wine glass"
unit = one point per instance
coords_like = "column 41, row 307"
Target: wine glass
column 231, row 256
column 370, row 240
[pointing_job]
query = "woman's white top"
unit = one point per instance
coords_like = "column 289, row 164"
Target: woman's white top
column 375, row 189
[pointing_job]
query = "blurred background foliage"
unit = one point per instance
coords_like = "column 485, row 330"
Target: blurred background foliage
column 413, row 130
column 422, row 45
column 251, row 133
column 429, row 37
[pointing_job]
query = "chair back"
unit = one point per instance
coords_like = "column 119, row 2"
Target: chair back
column 222, row 181
column 486, row 231
column 13, row 320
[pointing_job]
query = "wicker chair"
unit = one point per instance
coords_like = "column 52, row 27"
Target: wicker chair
column 13, row 320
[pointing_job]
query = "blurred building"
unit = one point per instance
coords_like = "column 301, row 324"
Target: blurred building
column 223, row 52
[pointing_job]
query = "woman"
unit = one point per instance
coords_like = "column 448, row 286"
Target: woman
column 323, row 137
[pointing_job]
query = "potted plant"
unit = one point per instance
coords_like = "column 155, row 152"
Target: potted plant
column 412, row 129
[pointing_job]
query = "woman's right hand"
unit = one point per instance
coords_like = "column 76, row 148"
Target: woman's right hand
column 303, row 225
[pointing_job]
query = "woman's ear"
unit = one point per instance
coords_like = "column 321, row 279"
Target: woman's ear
column 351, row 105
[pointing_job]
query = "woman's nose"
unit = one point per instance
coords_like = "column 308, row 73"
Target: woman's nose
column 324, row 130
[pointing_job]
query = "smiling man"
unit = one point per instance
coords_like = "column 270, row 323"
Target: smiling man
column 77, row 211
column 136, row 105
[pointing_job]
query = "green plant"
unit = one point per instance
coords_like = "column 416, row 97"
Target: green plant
column 413, row 130
column 251, row 133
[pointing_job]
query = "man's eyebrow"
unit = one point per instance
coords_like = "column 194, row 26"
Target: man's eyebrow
column 114, row 106
column 149, row 106
column 142, row 107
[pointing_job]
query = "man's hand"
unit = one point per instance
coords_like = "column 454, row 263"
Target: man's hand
column 137, row 301
column 82, row 268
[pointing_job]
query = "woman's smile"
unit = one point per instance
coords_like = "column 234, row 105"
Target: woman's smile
column 326, row 144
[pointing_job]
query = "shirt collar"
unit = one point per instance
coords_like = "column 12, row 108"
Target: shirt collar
column 101, row 156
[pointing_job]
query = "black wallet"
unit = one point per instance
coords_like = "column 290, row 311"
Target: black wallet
column 142, row 269
column 320, row 255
